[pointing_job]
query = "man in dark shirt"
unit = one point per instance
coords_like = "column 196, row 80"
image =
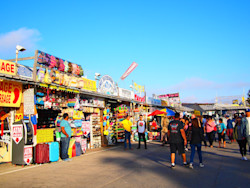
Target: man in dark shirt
column 177, row 139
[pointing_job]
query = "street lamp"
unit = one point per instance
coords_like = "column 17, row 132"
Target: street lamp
column 19, row 48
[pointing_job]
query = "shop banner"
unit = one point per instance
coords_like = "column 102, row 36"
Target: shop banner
column 164, row 103
column 89, row 85
column 172, row 99
column 169, row 95
column 153, row 101
column 126, row 93
column 129, row 70
column 45, row 135
column 28, row 101
column 24, row 71
column 17, row 132
column 7, row 67
column 140, row 99
column 139, row 88
column 27, row 154
column 86, row 127
column 10, row 93
column 107, row 86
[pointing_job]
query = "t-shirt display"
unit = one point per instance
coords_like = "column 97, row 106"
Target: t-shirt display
column 175, row 133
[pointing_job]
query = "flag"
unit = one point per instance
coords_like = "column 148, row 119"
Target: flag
column 129, row 70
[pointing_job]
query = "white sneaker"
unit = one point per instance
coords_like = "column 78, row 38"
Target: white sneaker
column 245, row 158
column 191, row 166
column 202, row 165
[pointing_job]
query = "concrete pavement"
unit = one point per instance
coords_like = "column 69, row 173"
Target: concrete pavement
column 115, row 167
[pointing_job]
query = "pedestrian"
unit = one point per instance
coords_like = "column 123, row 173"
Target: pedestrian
column 229, row 129
column 210, row 125
column 65, row 137
column 240, row 135
column 127, row 129
column 141, row 129
column 164, row 131
column 246, row 126
column 196, row 139
column 203, row 123
column 177, row 139
column 221, row 132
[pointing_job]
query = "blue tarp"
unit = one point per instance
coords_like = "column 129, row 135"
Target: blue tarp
column 170, row 112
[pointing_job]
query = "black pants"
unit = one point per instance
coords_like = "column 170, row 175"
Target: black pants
column 210, row 137
column 243, row 147
column 144, row 139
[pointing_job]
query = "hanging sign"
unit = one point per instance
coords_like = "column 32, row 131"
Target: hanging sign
column 27, row 154
column 17, row 132
column 107, row 86
column 18, row 117
column 86, row 127
column 7, row 67
column 126, row 93
column 89, row 85
column 45, row 135
column 84, row 145
column 140, row 99
column 10, row 93
column 28, row 101
column 139, row 88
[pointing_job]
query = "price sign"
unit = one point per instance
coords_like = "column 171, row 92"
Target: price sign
column 28, row 154
column 17, row 133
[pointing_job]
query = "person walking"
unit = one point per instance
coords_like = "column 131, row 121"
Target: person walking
column 246, row 126
column 240, row 135
column 196, row 139
column 141, row 129
column 229, row 129
column 127, row 129
column 221, row 132
column 177, row 139
column 164, row 131
column 65, row 137
column 210, row 125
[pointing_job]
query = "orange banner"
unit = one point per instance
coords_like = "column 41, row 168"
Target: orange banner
column 10, row 93
column 7, row 67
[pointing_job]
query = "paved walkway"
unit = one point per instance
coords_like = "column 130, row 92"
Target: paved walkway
column 115, row 167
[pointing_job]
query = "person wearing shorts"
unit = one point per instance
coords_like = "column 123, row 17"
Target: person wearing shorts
column 177, row 139
column 221, row 132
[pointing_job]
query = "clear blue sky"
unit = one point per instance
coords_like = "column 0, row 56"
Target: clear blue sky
column 198, row 48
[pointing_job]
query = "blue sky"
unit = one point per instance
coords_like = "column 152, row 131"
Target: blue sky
column 197, row 48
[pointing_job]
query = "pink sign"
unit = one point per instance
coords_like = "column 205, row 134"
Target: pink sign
column 84, row 145
column 169, row 95
column 28, row 154
column 129, row 70
column 86, row 127
column 140, row 99
column 17, row 133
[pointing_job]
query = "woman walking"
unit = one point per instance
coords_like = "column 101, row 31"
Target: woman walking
column 210, row 130
column 240, row 135
column 196, row 139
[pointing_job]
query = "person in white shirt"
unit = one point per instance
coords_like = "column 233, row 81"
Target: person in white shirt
column 246, row 126
column 141, row 129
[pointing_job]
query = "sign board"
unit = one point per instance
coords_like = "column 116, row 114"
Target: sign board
column 28, row 154
column 86, row 126
column 107, row 86
column 153, row 101
column 171, row 99
column 17, row 132
column 28, row 101
column 18, row 117
column 197, row 113
column 89, row 85
column 7, row 67
column 126, row 93
column 24, row 71
column 140, row 99
column 45, row 135
column 10, row 93
column 164, row 103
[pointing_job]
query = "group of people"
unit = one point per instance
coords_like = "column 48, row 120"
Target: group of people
column 195, row 130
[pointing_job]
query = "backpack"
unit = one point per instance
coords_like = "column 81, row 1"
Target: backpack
column 53, row 62
column 74, row 68
column 40, row 75
column 66, row 66
column 70, row 68
column 61, row 79
column 61, row 65
column 81, row 73
column 77, row 70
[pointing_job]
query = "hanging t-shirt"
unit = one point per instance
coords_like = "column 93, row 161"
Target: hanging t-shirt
column 141, row 126
column 175, row 131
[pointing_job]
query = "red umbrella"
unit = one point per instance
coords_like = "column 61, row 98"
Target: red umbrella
column 157, row 112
